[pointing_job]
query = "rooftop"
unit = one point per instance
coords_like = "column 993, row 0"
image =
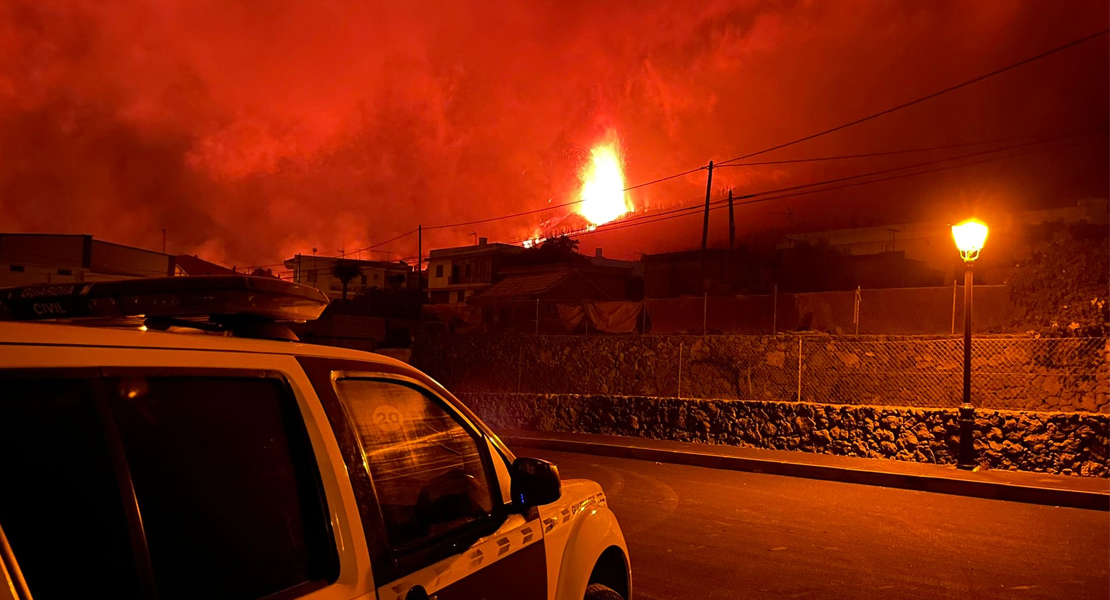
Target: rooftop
column 195, row 266
column 526, row 287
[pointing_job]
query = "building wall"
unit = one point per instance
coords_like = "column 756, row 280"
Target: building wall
column 318, row 272
column 28, row 259
column 43, row 250
column 105, row 257
column 452, row 279
column 439, row 273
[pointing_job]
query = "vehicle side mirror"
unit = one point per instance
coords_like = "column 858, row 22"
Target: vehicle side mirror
column 534, row 482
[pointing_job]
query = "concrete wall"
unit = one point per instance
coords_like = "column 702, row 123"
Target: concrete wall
column 1050, row 442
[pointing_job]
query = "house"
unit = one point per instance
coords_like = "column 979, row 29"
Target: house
column 33, row 258
column 320, row 272
column 530, row 300
column 676, row 274
column 612, row 276
column 456, row 274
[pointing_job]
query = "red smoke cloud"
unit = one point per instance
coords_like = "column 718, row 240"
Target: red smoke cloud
column 251, row 131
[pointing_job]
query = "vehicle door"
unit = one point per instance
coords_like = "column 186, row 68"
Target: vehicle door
column 168, row 474
column 436, row 490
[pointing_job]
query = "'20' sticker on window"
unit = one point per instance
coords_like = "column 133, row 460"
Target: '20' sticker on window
column 387, row 418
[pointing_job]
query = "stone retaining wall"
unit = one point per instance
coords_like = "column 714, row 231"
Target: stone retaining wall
column 1051, row 442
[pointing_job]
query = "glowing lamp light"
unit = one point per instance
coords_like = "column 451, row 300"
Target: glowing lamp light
column 970, row 237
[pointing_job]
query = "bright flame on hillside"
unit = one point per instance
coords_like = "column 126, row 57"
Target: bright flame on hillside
column 603, row 197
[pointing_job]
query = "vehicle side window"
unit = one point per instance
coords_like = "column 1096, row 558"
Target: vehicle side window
column 61, row 507
column 228, row 496
column 227, row 485
column 427, row 468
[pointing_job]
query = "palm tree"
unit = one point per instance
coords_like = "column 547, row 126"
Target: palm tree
column 345, row 271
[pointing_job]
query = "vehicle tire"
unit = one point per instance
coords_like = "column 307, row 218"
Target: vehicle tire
column 596, row 591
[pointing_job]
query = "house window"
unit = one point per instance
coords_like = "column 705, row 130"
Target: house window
column 65, row 272
column 439, row 270
column 364, row 278
column 16, row 268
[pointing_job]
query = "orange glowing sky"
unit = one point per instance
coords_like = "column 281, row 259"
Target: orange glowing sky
column 251, row 131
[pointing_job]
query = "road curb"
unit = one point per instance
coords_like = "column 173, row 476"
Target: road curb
column 925, row 483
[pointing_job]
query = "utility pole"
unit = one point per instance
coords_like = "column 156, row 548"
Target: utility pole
column 705, row 226
column 163, row 240
column 731, row 223
column 420, row 257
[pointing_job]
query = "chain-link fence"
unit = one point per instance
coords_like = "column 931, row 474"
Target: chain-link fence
column 1066, row 374
column 896, row 311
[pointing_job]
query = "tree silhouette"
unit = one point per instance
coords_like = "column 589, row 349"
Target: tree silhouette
column 556, row 250
column 346, row 270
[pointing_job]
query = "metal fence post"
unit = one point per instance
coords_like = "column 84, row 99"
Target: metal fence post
column 519, row 369
column 799, row 368
column 537, row 316
column 855, row 310
column 953, row 307
column 680, row 347
column 705, row 313
column 775, row 311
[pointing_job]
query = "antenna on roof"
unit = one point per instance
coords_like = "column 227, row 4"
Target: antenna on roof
column 789, row 216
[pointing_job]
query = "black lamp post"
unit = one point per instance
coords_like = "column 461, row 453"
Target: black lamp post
column 970, row 237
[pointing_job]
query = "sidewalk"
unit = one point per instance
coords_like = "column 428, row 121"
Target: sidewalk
column 1015, row 486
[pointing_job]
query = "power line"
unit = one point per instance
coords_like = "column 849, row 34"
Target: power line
column 662, row 179
column 936, row 170
column 757, row 197
column 814, row 159
column 786, row 144
column 808, row 137
column 653, row 217
column 554, row 206
column 502, row 217
column 699, row 207
column 924, row 98
column 372, row 246
column 905, row 151
column 346, row 254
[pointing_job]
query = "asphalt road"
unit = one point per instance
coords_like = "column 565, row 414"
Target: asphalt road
column 704, row 533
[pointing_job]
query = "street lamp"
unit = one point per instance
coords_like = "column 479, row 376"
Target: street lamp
column 970, row 237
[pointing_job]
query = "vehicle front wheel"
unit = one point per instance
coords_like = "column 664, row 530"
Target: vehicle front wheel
column 596, row 591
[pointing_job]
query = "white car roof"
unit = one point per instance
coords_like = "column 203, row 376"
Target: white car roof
column 53, row 334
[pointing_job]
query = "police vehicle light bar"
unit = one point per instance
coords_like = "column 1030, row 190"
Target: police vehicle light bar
column 219, row 298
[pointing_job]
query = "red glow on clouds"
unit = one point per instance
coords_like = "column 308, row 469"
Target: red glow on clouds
column 251, row 131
